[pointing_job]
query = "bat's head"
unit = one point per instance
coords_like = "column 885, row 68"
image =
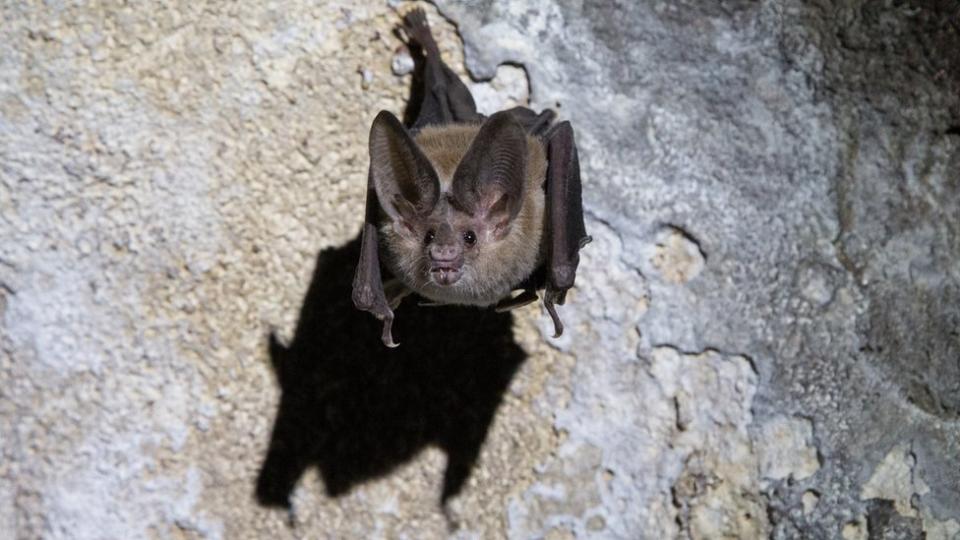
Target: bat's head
column 452, row 238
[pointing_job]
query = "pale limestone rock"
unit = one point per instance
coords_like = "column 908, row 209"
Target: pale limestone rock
column 894, row 480
column 855, row 530
column 785, row 446
column 677, row 257
column 810, row 500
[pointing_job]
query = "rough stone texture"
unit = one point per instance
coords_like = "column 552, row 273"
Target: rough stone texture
column 763, row 341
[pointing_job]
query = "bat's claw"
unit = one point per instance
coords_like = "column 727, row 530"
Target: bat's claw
column 557, row 323
column 387, row 336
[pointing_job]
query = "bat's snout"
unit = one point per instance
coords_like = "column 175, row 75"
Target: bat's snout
column 441, row 254
column 446, row 263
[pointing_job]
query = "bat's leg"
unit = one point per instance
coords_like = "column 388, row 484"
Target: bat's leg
column 514, row 302
column 427, row 303
column 395, row 291
column 445, row 98
column 566, row 230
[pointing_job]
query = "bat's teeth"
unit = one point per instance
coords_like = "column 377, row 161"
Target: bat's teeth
column 443, row 275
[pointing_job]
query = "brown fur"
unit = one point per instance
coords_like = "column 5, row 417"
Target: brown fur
column 501, row 264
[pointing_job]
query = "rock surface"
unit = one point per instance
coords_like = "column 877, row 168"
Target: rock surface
column 763, row 341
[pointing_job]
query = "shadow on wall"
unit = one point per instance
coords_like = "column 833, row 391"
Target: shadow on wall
column 356, row 409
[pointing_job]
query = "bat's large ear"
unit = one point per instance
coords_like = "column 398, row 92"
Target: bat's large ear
column 406, row 184
column 489, row 180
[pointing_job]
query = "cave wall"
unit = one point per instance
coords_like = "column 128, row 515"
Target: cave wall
column 763, row 341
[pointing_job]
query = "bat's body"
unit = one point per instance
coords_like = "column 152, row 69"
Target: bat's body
column 463, row 209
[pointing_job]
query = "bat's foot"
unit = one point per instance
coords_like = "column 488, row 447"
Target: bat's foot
column 417, row 27
column 416, row 19
column 522, row 299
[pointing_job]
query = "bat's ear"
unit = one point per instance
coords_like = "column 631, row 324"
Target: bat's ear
column 405, row 182
column 489, row 180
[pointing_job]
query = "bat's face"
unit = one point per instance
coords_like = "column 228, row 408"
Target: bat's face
column 469, row 233
column 448, row 247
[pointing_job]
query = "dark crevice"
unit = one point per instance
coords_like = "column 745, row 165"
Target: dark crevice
column 844, row 205
column 687, row 235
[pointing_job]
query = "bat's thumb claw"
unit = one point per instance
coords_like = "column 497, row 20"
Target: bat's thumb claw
column 391, row 344
column 387, row 336
column 388, row 340
column 557, row 323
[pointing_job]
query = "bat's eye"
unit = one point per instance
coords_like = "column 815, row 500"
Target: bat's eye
column 429, row 237
column 470, row 238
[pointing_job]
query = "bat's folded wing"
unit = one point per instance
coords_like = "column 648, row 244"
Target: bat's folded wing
column 566, row 232
column 368, row 294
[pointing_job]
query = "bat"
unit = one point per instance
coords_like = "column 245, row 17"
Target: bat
column 465, row 209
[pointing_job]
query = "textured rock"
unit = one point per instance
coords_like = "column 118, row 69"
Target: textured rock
column 806, row 155
column 763, row 339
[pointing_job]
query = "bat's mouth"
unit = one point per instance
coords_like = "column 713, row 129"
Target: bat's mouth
column 445, row 275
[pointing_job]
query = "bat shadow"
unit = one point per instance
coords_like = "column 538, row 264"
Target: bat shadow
column 356, row 409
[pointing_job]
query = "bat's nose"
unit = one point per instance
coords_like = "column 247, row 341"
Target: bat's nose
column 444, row 252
